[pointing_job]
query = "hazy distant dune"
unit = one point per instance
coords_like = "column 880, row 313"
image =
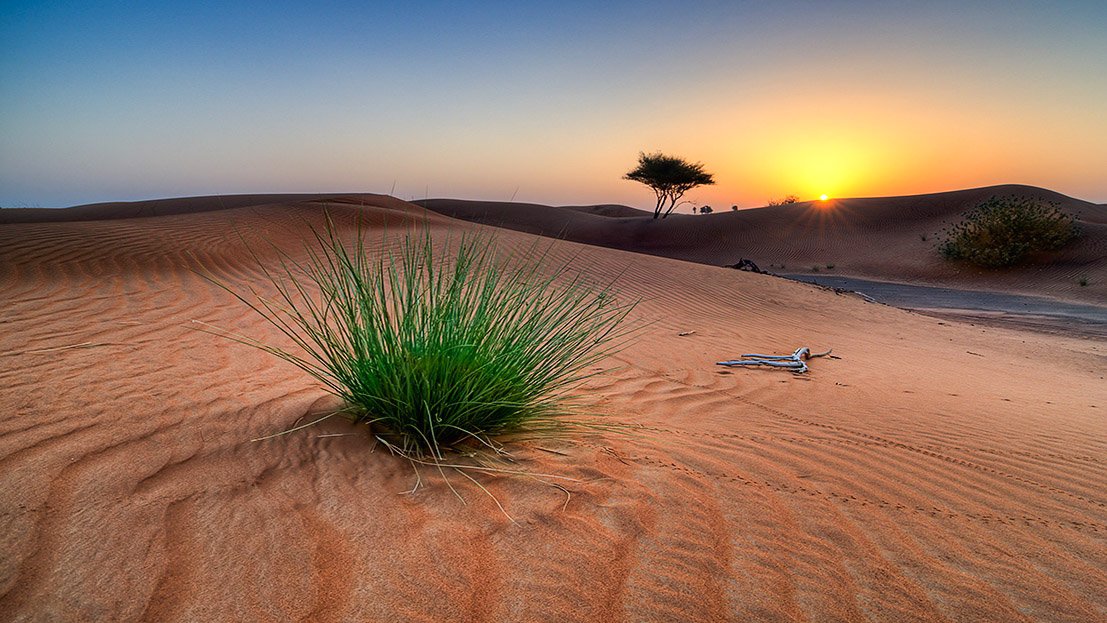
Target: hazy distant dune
column 884, row 238
column 162, row 207
column 611, row 210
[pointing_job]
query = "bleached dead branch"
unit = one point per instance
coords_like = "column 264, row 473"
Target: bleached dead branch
column 796, row 362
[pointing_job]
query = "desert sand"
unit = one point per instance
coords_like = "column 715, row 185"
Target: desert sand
column 890, row 239
column 933, row 471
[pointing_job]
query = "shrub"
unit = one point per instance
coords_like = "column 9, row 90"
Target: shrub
column 787, row 200
column 1006, row 231
column 439, row 348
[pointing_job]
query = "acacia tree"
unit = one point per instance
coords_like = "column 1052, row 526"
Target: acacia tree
column 669, row 178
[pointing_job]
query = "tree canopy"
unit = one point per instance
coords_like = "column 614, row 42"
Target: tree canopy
column 669, row 177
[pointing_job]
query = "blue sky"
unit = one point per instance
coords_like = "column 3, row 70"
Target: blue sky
column 548, row 102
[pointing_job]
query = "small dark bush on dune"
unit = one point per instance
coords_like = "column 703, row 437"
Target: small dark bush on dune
column 1007, row 231
column 787, row 200
column 439, row 347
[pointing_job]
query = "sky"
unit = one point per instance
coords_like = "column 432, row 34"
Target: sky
column 548, row 102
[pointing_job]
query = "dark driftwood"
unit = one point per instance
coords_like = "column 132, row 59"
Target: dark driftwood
column 747, row 265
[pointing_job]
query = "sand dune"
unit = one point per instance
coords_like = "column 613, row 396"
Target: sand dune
column 936, row 471
column 876, row 238
column 162, row 207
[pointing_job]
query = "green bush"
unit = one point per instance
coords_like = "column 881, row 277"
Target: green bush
column 435, row 347
column 1006, row 231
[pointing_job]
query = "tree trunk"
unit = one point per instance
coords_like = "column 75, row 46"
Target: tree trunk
column 672, row 204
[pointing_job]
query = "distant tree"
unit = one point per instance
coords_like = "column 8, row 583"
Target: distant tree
column 733, row 208
column 693, row 209
column 669, row 177
column 706, row 210
column 788, row 199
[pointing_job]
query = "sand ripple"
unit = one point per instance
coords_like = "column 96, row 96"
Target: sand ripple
column 909, row 480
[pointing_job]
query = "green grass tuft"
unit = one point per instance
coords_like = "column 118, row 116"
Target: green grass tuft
column 436, row 348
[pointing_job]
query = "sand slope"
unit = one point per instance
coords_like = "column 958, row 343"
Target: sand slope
column 935, row 472
column 876, row 238
column 160, row 207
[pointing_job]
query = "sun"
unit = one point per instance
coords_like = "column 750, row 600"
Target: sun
column 823, row 197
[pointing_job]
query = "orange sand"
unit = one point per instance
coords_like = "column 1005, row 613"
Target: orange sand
column 877, row 238
column 935, row 472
